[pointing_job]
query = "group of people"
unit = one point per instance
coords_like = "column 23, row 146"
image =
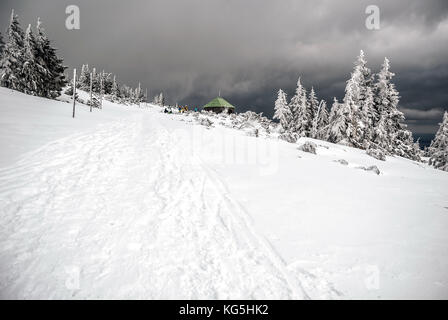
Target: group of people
column 180, row 109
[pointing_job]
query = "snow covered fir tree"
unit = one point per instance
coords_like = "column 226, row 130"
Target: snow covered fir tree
column 2, row 44
column 367, row 118
column 29, row 63
column 438, row 150
column 159, row 99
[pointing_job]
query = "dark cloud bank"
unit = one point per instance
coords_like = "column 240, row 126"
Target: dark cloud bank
column 248, row 49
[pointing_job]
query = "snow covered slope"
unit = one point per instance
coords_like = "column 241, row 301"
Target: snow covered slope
column 135, row 203
column 27, row 122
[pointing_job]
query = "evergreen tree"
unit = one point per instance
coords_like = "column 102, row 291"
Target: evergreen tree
column 115, row 90
column 2, row 45
column 53, row 65
column 369, row 117
column 320, row 122
column 400, row 141
column 107, row 82
column 313, row 104
column 156, row 100
column 356, row 93
column 300, row 111
column 95, row 81
column 84, row 78
column 282, row 111
column 33, row 82
column 132, row 95
column 161, row 99
column 304, row 117
column 380, row 135
column 438, row 149
column 340, row 129
column 140, row 94
column 13, row 55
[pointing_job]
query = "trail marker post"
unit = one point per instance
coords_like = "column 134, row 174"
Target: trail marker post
column 74, row 91
column 101, row 92
column 146, row 98
column 91, row 88
column 139, row 95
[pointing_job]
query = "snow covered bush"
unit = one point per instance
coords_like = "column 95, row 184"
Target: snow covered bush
column 205, row 122
column 376, row 153
column 254, row 133
column 342, row 161
column 374, row 169
column 309, row 147
column 290, row 137
column 253, row 123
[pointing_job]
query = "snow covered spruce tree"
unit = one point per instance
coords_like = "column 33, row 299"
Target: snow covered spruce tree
column 159, row 99
column 84, row 78
column 2, row 45
column 340, row 128
column 31, row 72
column 54, row 79
column 107, row 82
column 356, row 93
column 115, row 90
column 162, row 99
column 13, row 55
column 125, row 94
column 313, row 104
column 438, row 150
column 390, row 131
column 369, row 117
column 282, row 112
column 320, row 122
column 95, row 81
column 301, row 112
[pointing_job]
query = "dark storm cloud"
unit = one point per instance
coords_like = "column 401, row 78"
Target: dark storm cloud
column 248, row 49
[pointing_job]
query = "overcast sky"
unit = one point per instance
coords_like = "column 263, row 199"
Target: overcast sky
column 249, row 49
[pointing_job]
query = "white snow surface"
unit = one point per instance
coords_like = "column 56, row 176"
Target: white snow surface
column 132, row 203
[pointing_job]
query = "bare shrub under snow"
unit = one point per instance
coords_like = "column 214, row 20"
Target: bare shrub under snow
column 309, row 147
column 371, row 168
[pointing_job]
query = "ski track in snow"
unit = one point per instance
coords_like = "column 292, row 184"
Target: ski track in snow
column 126, row 212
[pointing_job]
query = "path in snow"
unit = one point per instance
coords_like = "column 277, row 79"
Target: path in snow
column 127, row 212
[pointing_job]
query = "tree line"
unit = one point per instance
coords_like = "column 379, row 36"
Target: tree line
column 106, row 84
column 29, row 63
column 367, row 118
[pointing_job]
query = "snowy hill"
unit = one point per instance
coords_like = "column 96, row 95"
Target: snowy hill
column 135, row 203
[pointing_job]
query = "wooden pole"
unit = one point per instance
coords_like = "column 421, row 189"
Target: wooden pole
column 139, row 95
column 74, row 91
column 91, row 88
column 146, row 98
column 101, row 92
